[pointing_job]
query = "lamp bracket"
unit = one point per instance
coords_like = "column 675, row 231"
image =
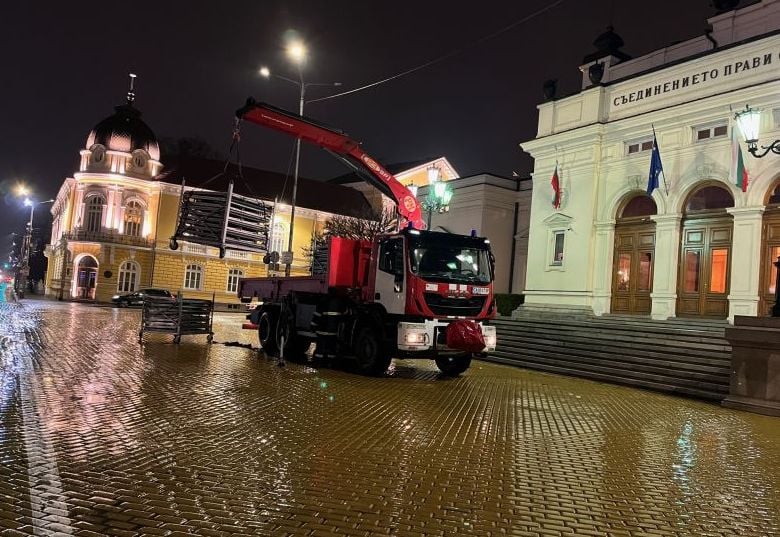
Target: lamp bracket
column 774, row 147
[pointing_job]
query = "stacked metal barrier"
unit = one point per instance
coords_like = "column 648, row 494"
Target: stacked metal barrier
column 319, row 257
column 223, row 220
column 180, row 317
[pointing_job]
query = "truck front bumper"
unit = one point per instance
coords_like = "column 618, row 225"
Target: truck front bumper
column 431, row 335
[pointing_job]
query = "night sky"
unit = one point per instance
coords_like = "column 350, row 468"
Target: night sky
column 65, row 66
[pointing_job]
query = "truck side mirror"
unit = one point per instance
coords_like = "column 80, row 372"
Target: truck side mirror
column 492, row 266
column 398, row 282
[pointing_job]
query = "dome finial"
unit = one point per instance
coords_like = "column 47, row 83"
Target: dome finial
column 131, row 91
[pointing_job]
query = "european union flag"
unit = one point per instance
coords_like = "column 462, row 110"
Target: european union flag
column 656, row 168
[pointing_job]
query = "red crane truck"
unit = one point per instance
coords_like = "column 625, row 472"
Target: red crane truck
column 410, row 294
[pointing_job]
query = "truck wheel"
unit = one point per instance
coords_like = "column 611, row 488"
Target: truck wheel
column 295, row 347
column 372, row 357
column 266, row 331
column 452, row 366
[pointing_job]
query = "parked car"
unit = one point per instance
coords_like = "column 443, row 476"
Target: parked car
column 137, row 298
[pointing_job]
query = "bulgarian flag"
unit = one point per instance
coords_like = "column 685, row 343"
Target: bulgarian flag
column 738, row 172
column 556, row 186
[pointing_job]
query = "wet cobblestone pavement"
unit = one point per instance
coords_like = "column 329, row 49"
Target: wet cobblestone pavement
column 102, row 436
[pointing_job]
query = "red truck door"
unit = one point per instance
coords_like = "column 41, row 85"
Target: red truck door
column 390, row 283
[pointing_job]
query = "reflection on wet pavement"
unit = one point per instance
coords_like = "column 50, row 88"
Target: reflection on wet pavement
column 102, row 436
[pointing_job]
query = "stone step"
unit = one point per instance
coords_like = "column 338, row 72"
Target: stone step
column 668, row 356
column 678, row 323
column 717, row 373
column 648, row 325
column 631, row 336
column 521, row 344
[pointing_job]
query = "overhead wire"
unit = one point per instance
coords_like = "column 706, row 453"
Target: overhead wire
column 445, row 56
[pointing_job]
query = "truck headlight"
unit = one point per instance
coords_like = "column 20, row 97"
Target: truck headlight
column 489, row 333
column 416, row 338
column 413, row 336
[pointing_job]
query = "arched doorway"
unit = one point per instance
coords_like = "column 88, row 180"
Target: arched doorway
column 86, row 278
column 632, row 268
column 770, row 251
column 705, row 255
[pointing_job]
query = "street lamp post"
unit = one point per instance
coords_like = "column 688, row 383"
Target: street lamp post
column 439, row 195
column 24, row 264
column 297, row 52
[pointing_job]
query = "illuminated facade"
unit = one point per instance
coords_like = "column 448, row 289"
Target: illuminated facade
column 700, row 246
column 113, row 219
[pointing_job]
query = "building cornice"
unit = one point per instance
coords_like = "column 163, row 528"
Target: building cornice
column 87, row 178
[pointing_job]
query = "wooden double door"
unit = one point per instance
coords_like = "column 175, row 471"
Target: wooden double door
column 632, row 269
column 705, row 267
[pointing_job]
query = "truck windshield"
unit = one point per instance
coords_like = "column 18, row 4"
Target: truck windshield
column 447, row 261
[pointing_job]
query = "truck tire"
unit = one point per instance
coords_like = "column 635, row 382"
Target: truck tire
column 266, row 331
column 295, row 347
column 370, row 352
column 452, row 366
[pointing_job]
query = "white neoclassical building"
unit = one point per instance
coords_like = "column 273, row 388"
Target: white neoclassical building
column 699, row 246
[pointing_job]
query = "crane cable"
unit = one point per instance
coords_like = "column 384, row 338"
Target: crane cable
column 445, row 56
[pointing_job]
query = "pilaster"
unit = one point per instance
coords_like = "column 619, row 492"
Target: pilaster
column 78, row 209
column 667, row 253
column 745, row 261
column 602, row 271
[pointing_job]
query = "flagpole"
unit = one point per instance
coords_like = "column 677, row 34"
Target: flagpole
column 663, row 173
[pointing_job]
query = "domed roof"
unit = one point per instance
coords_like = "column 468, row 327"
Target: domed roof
column 125, row 131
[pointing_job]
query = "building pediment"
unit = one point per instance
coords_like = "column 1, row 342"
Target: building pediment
column 557, row 220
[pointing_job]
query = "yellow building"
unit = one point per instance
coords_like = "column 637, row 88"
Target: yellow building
column 113, row 220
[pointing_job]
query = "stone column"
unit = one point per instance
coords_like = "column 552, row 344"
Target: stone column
column 745, row 261
column 665, row 265
column 119, row 209
column 602, row 270
column 108, row 213
column 77, row 218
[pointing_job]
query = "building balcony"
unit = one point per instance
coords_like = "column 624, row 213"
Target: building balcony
column 111, row 237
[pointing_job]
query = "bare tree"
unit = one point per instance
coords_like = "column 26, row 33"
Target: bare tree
column 364, row 227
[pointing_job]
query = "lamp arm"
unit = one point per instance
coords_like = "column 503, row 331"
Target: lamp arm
column 774, row 147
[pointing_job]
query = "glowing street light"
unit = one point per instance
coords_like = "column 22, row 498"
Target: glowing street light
column 296, row 51
column 439, row 194
column 265, row 72
column 749, row 122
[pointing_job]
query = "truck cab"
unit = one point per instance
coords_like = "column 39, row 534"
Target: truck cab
column 424, row 280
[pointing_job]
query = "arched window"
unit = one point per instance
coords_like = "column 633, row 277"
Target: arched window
column 709, row 198
column 637, row 206
column 134, row 218
column 774, row 197
column 278, row 237
column 193, row 277
column 234, row 275
column 94, row 213
column 128, row 277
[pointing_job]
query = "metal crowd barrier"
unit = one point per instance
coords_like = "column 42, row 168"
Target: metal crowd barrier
column 180, row 317
column 222, row 220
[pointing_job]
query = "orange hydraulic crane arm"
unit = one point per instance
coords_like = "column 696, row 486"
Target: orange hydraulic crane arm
column 343, row 147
